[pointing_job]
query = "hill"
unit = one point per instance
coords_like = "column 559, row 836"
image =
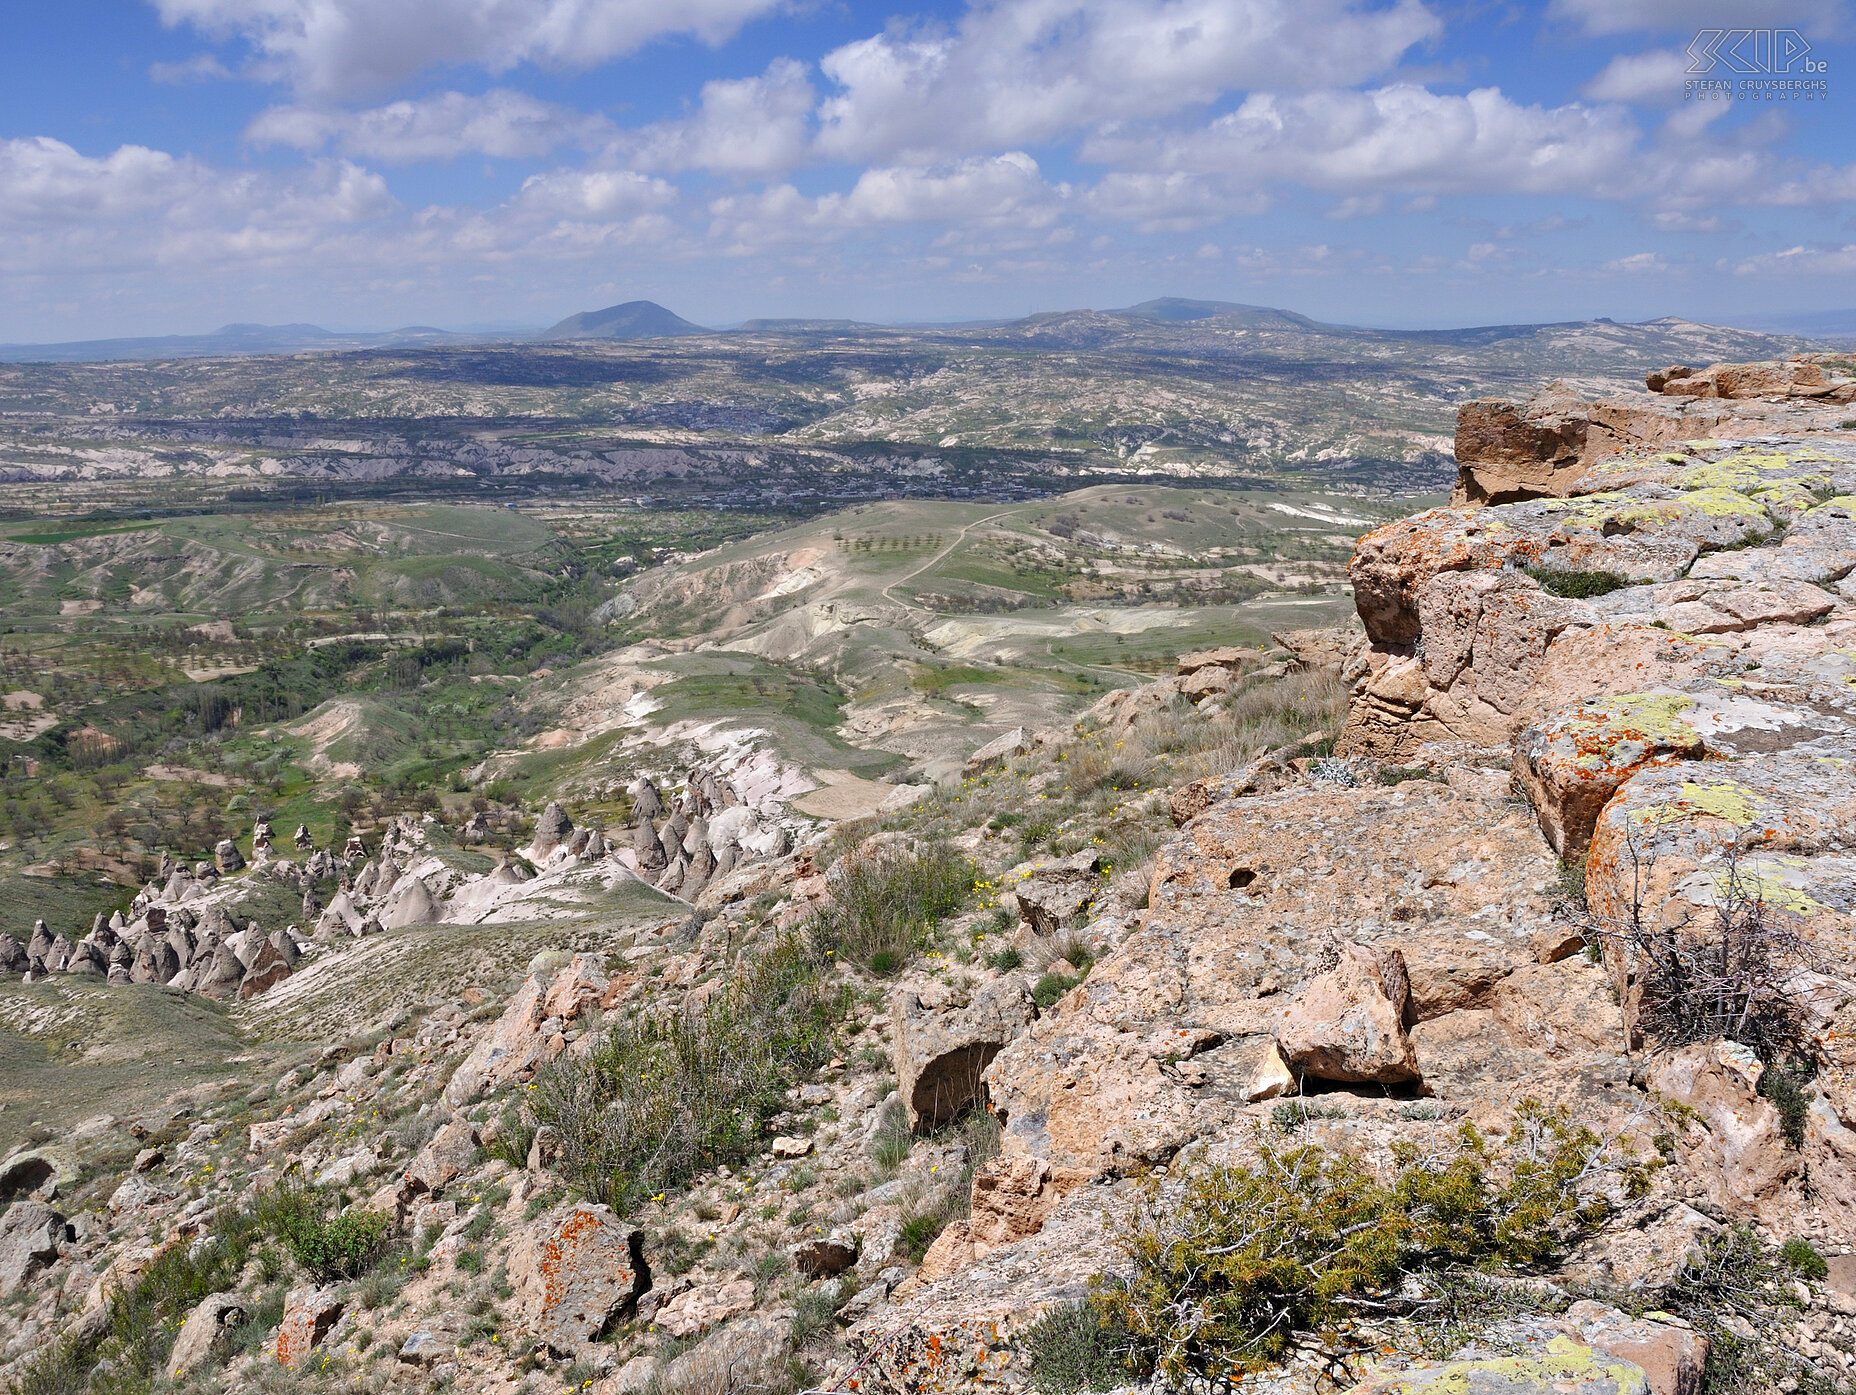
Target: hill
column 635, row 319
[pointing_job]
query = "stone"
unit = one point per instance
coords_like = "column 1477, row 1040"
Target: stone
column 227, row 858
column 410, row 903
column 201, row 1331
column 552, row 829
column 148, row 1159
column 308, row 1316
column 30, row 1234
column 1002, row 748
column 1348, row 1023
column 822, row 1255
column 786, row 1147
column 1273, row 1079
column 1011, row 1200
column 697, row 1309
column 747, row 1355
column 575, row 1271
column 1672, row 1354
column 1742, row 1158
column 1563, row 1368
column 223, row 975
column 426, row 1348
column 451, row 1150
column 1051, row 893
column 943, row 1039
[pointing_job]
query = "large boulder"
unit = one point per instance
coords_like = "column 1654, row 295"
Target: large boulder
column 29, row 1238
column 202, row 1330
column 575, row 1271
column 1348, row 1024
column 943, row 1039
column 1742, row 1154
column 308, row 1316
column 1052, row 892
column 451, row 1150
column 552, row 829
column 267, row 969
column 227, row 858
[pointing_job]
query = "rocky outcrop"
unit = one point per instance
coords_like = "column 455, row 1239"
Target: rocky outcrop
column 1011, row 1200
column 945, row 1038
column 308, row 1316
column 575, row 1271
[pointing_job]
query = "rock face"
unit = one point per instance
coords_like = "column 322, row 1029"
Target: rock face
column 29, row 1238
column 203, row 1328
column 1012, row 1198
column 1564, row 1368
column 944, row 1039
column 575, row 1270
column 1349, row 1023
column 308, row 1316
column 1051, row 893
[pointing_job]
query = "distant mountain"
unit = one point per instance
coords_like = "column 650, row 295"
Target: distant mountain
column 228, row 341
column 635, row 319
column 1170, row 309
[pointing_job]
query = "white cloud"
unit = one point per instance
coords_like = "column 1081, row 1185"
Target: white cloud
column 1015, row 72
column 1154, row 201
column 744, row 126
column 1655, row 77
column 1802, row 261
column 352, row 46
column 62, row 211
column 1402, row 138
column 1638, row 264
column 500, row 123
column 594, row 194
column 1003, row 193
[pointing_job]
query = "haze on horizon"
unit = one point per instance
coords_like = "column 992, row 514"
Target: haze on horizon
column 168, row 166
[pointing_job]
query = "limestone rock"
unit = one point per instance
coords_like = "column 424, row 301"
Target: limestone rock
column 1052, row 892
column 29, row 1238
column 821, row 1256
column 202, row 1329
column 308, row 1316
column 696, row 1310
column 943, row 1040
column 1011, row 1199
column 1564, row 1368
column 1348, row 1024
column 1744, row 1158
column 575, row 1270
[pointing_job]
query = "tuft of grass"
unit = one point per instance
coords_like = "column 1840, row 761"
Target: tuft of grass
column 1072, row 1349
column 888, row 902
column 667, row 1094
column 1802, row 1256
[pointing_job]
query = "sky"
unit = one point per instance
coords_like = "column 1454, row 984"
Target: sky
column 168, row 166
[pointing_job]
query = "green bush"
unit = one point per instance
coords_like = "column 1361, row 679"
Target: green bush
column 886, row 903
column 1578, row 586
column 666, row 1094
column 344, row 1247
column 1802, row 1255
column 1226, row 1269
column 1072, row 1349
column 1787, row 1095
column 1051, row 987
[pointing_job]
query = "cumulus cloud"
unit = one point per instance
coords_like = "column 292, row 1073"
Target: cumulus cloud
column 1653, row 77
column 1397, row 138
column 62, row 210
column 595, row 194
column 1005, row 192
column 741, row 126
column 345, row 47
column 1638, row 264
column 499, row 123
column 1819, row 260
column 1016, row 72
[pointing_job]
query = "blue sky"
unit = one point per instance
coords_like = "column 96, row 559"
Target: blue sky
column 170, row 165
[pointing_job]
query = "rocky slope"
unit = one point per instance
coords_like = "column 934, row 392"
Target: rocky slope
column 1574, row 871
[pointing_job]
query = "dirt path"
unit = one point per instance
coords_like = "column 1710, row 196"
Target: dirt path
column 940, row 557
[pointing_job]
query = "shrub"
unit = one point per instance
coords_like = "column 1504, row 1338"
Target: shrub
column 887, row 902
column 1072, row 1349
column 1228, row 1266
column 1006, row 960
column 1781, row 1086
column 1051, row 987
column 1802, row 1255
column 344, row 1247
column 1577, row 586
column 1729, row 975
column 666, row 1094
